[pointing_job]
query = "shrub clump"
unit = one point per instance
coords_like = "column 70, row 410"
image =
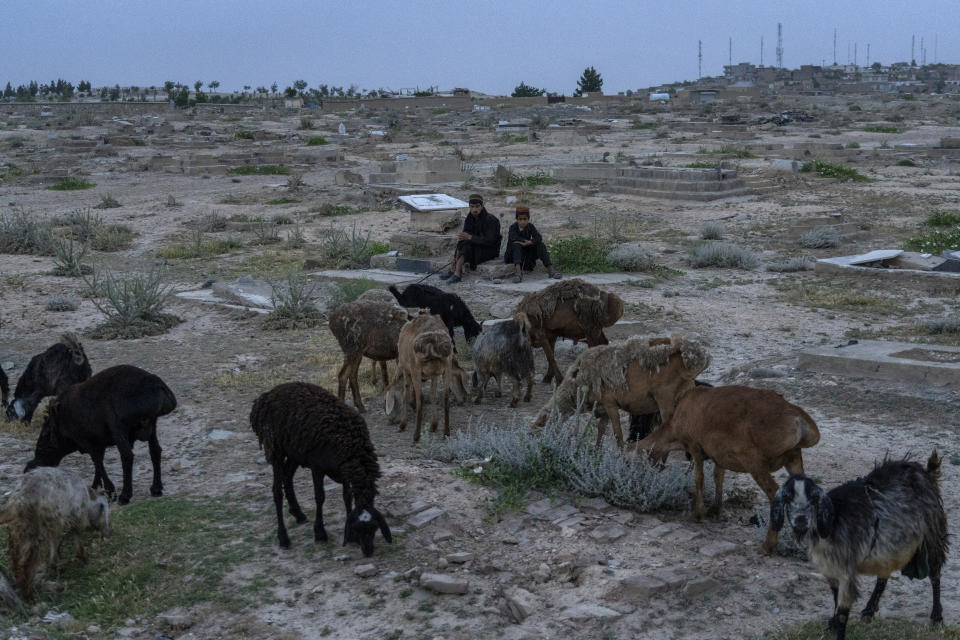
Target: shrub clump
column 68, row 258
column 822, row 238
column 111, row 237
column 293, row 306
column 21, row 232
column 722, row 254
column 833, row 170
column 580, row 254
column 790, row 265
column 316, row 141
column 628, row 257
column 943, row 219
column 935, row 241
column 343, row 250
column 942, row 326
column 134, row 306
column 61, row 303
column 348, row 291
column 260, row 170
column 712, row 230
column 71, row 184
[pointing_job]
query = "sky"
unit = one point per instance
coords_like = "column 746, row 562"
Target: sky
column 488, row 46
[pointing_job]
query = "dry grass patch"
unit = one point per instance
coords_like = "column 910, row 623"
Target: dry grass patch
column 839, row 297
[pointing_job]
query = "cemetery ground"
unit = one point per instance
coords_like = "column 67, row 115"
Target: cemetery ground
column 203, row 562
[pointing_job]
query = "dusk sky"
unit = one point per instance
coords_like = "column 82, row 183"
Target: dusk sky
column 485, row 45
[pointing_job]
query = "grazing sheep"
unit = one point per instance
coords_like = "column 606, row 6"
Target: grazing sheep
column 426, row 352
column 741, row 429
column 369, row 326
column 504, row 348
column 49, row 373
column 451, row 309
column 643, row 424
column 571, row 309
column 4, row 388
column 42, row 508
column 116, row 407
column 891, row 520
column 303, row 425
column 641, row 375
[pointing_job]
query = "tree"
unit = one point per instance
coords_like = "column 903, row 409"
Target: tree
column 299, row 86
column 197, row 86
column 115, row 93
column 876, row 66
column 524, row 90
column 213, row 84
column 8, row 91
column 589, row 82
column 290, row 92
column 273, row 88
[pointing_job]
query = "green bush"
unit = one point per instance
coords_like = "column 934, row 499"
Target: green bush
column 21, row 232
column 943, row 219
column 639, row 126
column 736, row 152
column 580, row 254
column 61, row 303
column 71, row 184
column 343, row 250
column 68, row 257
column 260, row 170
column 906, row 163
column 243, row 135
column 539, row 178
column 293, row 306
column 107, row 201
column 316, row 141
column 199, row 247
column 349, row 290
column 832, row 170
column 852, row 145
column 935, row 242
column 881, row 129
column 133, row 305
column 721, row 254
column 703, row 164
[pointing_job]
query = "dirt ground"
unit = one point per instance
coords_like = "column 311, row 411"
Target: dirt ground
column 754, row 322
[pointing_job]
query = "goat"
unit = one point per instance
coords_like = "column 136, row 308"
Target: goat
column 643, row 424
column 116, row 407
column 4, row 388
column 890, row 520
column 303, row 425
column 571, row 309
column 48, row 374
column 639, row 376
column 449, row 306
column 426, row 352
column 369, row 326
column 504, row 348
column 741, row 429
column 43, row 506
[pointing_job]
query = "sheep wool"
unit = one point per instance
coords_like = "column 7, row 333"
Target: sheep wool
column 588, row 305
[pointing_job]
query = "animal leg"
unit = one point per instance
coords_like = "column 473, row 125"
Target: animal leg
column 846, row 594
column 499, row 392
column 290, row 468
column 278, row 503
column 126, row 461
column 404, row 398
column 718, row 473
column 517, row 384
column 100, row 474
column 156, row 488
column 528, row 395
column 383, row 371
column 698, row 479
column 353, row 369
column 614, row 414
column 936, row 615
column 769, row 486
column 601, row 429
column 873, row 604
column 435, row 400
column 446, row 406
column 418, row 400
column 553, row 371
column 81, row 550
column 482, row 380
column 319, row 533
column 347, row 497
column 794, row 463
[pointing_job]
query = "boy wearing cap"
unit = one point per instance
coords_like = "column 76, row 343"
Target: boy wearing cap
column 478, row 242
column 525, row 246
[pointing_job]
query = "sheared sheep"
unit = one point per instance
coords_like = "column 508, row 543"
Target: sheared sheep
column 47, row 374
column 643, row 424
column 116, row 407
column 426, row 353
column 504, row 348
column 369, row 326
column 891, row 520
column 571, row 309
column 449, row 306
column 303, row 425
column 641, row 375
column 741, row 429
column 42, row 508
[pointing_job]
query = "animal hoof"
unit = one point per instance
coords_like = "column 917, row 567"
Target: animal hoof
column 284, row 542
column 156, row 492
column 513, row 404
column 301, row 518
column 123, row 499
column 320, row 537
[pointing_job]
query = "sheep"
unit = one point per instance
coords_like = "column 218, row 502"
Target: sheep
column 741, row 429
column 504, row 348
column 302, row 425
column 426, row 352
column 47, row 374
column 891, row 520
column 368, row 326
column 639, row 376
column 42, row 508
column 115, row 407
column 449, row 306
column 571, row 309
column 643, row 424
column 4, row 388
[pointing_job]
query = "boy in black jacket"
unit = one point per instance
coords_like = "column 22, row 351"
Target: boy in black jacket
column 525, row 246
column 478, row 242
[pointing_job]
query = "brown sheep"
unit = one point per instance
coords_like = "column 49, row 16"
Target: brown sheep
column 741, row 429
column 425, row 353
column 44, row 506
column 369, row 326
column 641, row 375
column 571, row 309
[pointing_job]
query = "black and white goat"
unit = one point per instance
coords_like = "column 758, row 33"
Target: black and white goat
column 891, row 520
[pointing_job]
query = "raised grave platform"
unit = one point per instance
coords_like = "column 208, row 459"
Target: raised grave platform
column 931, row 365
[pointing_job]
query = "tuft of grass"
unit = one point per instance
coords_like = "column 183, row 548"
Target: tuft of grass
column 722, row 254
column 343, row 250
column 293, row 306
column 852, row 145
column 820, row 238
column 111, row 237
column 83, row 223
column 283, row 200
column 260, row 170
column 243, row 135
column 531, row 181
column 702, row 164
column 316, row 141
column 266, row 232
column 640, row 126
column 712, row 230
column 942, row 326
column 199, row 247
column 935, row 241
column 68, row 258
column 626, row 257
column 879, row 128
column 943, row 219
column 736, row 152
column 107, row 201
column 329, row 210
column 61, row 303
column 133, row 305
column 906, row 163
column 839, row 298
column 580, row 254
column 790, row 265
column 71, row 184
column 349, row 290
column 306, row 123
column 833, row 170
column 22, row 232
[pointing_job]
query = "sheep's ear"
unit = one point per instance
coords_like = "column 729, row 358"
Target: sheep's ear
column 825, row 513
column 384, row 528
column 777, row 508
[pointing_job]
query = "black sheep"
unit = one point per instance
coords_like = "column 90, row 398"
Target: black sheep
column 451, row 309
column 302, row 425
column 116, row 407
column 49, row 373
column 891, row 520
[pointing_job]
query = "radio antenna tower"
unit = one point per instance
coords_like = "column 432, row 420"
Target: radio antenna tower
column 779, row 46
column 868, row 55
column 913, row 43
column 699, row 59
column 761, row 51
column 731, row 52
column 834, row 47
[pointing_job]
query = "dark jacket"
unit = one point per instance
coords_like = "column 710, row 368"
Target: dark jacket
column 485, row 229
column 529, row 233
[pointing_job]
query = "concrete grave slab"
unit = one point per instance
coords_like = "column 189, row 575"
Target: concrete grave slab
column 929, row 365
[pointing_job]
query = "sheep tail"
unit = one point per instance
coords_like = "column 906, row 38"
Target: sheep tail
column 933, row 466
